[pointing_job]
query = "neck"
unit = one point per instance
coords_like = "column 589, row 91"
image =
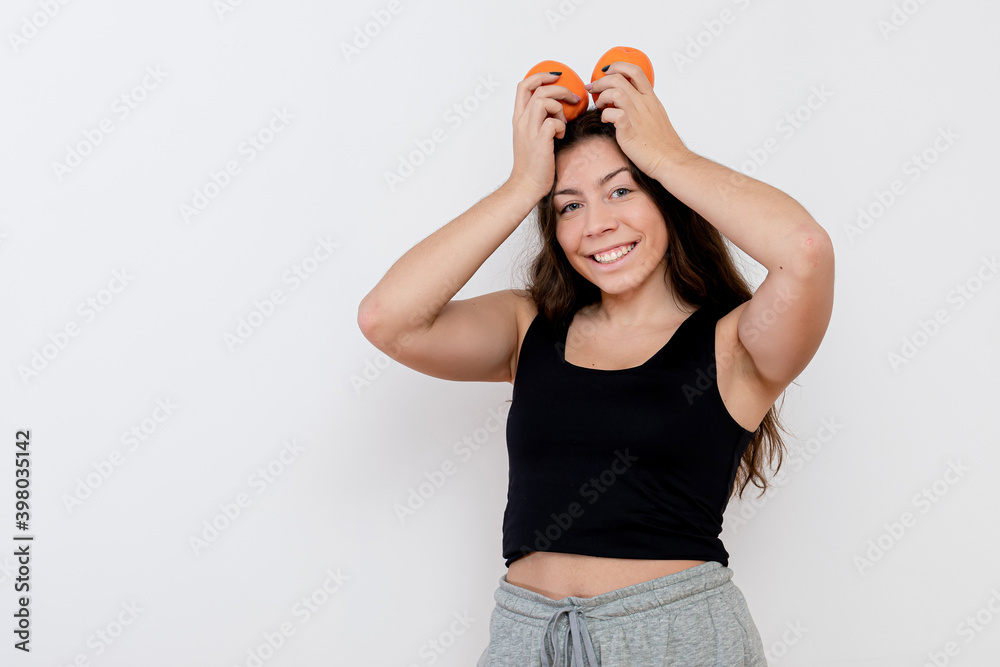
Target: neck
column 651, row 304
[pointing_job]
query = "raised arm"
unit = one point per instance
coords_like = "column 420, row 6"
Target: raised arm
column 411, row 314
column 785, row 321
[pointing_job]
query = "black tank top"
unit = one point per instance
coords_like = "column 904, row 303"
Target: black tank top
column 632, row 463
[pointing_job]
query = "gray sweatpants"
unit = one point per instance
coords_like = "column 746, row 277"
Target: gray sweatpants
column 693, row 618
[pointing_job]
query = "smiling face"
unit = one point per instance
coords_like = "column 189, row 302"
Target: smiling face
column 601, row 211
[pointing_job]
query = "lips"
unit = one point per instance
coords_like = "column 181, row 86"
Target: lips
column 610, row 248
column 618, row 248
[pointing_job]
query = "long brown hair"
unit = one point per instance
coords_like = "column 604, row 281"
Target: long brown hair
column 700, row 270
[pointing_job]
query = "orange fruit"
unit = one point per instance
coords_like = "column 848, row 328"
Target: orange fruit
column 625, row 54
column 568, row 78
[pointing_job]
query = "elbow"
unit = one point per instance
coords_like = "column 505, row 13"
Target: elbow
column 811, row 255
column 366, row 320
column 386, row 333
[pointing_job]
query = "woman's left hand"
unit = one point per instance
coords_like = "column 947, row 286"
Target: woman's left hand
column 643, row 130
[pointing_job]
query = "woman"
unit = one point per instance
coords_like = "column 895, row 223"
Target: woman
column 645, row 373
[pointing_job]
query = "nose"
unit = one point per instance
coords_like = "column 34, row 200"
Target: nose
column 600, row 219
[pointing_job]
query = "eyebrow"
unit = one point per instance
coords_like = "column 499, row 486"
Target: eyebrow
column 602, row 181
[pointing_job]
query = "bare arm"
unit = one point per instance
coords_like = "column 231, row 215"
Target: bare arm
column 399, row 313
column 785, row 321
column 782, row 326
column 411, row 315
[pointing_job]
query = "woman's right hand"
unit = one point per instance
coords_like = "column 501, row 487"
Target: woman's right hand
column 538, row 118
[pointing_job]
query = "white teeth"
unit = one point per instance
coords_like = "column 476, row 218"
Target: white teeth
column 614, row 255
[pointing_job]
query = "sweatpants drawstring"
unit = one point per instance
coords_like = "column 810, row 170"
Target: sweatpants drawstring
column 579, row 633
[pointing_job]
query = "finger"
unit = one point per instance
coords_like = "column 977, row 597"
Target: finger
column 554, row 127
column 613, row 115
column 548, row 91
column 632, row 72
column 624, row 99
column 611, row 96
column 614, row 81
column 527, row 86
column 557, row 92
column 548, row 107
column 617, row 81
column 538, row 111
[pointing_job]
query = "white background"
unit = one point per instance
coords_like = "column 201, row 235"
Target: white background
column 369, row 430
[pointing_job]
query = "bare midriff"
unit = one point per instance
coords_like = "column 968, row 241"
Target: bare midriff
column 558, row 575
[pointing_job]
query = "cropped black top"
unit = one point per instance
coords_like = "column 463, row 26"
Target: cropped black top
column 632, row 463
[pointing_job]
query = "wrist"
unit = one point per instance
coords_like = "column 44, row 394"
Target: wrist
column 524, row 192
column 673, row 161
